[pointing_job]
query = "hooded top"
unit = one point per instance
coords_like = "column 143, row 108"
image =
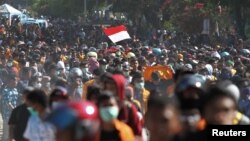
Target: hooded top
column 128, row 111
column 93, row 64
column 120, row 84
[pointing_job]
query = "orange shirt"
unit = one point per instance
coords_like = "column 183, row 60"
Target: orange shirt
column 85, row 88
column 124, row 131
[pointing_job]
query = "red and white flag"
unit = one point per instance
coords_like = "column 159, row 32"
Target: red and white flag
column 117, row 33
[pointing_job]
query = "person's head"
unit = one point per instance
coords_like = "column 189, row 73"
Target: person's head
column 163, row 60
column 189, row 91
column 58, row 96
column 103, row 64
column 230, row 88
column 138, row 80
column 134, row 63
column 75, row 76
column 116, row 84
column 60, row 82
column 52, row 70
column 129, row 91
column 12, row 80
column 151, row 58
column 155, row 77
column 219, row 106
column 25, row 92
column 37, row 101
column 162, row 118
column 75, row 121
column 108, row 107
column 84, row 66
column 245, row 93
column 179, row 73
column 25, row 73
column 93, row 93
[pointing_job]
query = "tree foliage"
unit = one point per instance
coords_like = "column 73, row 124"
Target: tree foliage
column 179, row 14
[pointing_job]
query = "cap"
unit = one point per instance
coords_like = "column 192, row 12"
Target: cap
column 188, row 81
column 92, row 54
column 130, row 55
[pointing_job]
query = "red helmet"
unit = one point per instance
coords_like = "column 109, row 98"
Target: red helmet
column 86, row 110
column 82, row 115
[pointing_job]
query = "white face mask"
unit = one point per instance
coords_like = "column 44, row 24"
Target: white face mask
column 67, row 68
column 9, row 64
column 85, row 69
column 104, row 67
column 126, row 73
column 38, row 85
column 247, row 74
column 40, row 79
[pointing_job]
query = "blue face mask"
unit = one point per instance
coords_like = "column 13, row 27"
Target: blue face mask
column 32, row 111
column 109, row 113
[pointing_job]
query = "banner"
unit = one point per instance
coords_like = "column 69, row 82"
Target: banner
column 117, row 33
column 164, row 71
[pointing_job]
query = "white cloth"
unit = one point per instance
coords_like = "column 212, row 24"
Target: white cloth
column 38, row 130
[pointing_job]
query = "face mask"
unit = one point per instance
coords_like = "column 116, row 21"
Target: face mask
column 139, row 85
column 104, row 67
column 39, row 79
column 126, row 73
column 32, row 111
column 248, row 97
column 57, row 73
column 109, row 113
column 85, row 69
column 26, row 82
column 247, row 75
column 9, row 64
column 38, row 85
column 67, row 68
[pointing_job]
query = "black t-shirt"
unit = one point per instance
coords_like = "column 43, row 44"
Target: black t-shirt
column 110, row 135
column 19, row 118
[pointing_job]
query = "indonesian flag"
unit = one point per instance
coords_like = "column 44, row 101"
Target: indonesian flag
column 117, row 33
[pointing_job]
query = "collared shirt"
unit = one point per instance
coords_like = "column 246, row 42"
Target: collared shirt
column 39, row 130
column 10, row 100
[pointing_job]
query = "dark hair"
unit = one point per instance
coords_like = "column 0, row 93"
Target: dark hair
column 93, row 91
column 52, row 66
column 156, row 101
column 117, row 71
column 61, row 82
column 105, row 95
column 27, row 90
column 59, row 93
column 39, row 97
column 214, row 92
column 155, row 75
column 136, row 75
column 181, row 72
column 98, row 72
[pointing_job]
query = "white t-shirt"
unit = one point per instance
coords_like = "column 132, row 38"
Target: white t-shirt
column 38, row 130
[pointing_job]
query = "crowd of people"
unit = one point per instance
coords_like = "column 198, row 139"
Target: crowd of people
column 68, row 82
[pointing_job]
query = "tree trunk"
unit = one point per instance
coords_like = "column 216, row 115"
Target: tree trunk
column 240, row 21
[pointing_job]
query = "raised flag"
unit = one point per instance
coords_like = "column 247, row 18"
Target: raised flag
column 117, row 33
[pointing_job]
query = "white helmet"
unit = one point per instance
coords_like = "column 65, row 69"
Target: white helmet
column 75, row 72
